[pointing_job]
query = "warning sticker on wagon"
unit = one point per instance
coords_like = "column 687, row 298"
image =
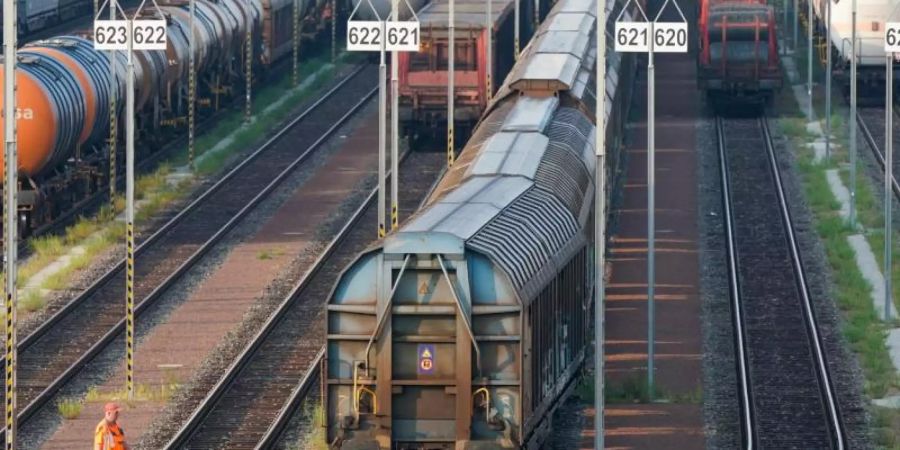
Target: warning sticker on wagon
column 426, row 359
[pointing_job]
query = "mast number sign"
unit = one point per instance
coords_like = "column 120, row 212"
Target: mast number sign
column 149, row 34
column 631, row 37
column 366, row 36
column 892, row 37
column 668, row 37
column 111, row 34
column 144, row 34
column 403, row 36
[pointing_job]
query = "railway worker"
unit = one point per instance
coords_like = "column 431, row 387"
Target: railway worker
column 109, row 435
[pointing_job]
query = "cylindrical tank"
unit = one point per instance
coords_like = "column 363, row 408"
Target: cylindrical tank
column 84, row 83
column 176, row 50
column 50, row 113
column 96, row 65
column 201, row 35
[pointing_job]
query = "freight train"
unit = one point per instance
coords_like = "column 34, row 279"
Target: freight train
column 738, row 57
column 466, row 327
column 870, row 56
column 65, row 86
column 424, row 75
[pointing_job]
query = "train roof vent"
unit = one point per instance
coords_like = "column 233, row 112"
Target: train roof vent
column 563, row 170
column 510, row 153
column 526, row 235
column 468, row 208
column 531, row 114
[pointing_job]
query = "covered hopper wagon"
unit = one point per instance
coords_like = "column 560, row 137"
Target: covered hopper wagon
column 466, row 327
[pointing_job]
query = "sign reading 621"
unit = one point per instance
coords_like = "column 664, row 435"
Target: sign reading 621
column 403, row 36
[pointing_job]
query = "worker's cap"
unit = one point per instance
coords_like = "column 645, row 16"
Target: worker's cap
column 110, row 407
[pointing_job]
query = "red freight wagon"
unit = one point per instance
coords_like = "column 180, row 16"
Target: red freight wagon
column 423, row 75
column 738, row 56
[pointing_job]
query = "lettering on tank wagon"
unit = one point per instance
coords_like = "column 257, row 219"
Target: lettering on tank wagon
column 22, row 114
column 426, row 359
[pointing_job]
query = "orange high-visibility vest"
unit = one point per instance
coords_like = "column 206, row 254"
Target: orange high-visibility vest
column 109, row 436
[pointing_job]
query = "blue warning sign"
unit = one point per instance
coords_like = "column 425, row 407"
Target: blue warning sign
column 426, row 359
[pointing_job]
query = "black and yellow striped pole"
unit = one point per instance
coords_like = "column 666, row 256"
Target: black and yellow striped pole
column 113, row 109
column 295, row 73
column 334, row 17
column 249, row 63
column 451, row 88
column 10, row 238
column 489, row 68
column 192, row 87
column 395, row 127
column 129, row 223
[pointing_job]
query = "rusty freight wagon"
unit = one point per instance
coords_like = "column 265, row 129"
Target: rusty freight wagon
column 465, row 328
column 738, row 57
column 424, row 75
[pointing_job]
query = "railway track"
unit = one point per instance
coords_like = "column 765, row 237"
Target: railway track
column 58, row 349
column 170, row 144
column 871, row 123
column 282, row 360
column 787, row 395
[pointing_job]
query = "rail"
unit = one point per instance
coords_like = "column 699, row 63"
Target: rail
column 826, row 390
column 44, row 397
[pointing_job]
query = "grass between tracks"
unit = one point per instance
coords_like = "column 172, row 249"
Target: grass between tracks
column 314, row 438
column 860, row 325
column 89, row 237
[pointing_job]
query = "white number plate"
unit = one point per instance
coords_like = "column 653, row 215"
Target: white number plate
column 111, row 34
column 364, row 35
column 631, row 37
column 403, row 36
column 149, row 34
column 670, row 37
column 892, row 37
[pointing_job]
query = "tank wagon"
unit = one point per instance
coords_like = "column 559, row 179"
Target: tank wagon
column 464, row 328
column 424, row 75
column 65, row 86
column 870, row 18
column 738, row 58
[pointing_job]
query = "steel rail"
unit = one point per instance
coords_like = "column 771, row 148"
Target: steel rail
column 195, row 421
column 826, row 386
column 748, row 414
column 876, row 151
column 46, row 395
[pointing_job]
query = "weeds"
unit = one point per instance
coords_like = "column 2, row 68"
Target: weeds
column 860, row 325
column 32, row 301
column 70, row 408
